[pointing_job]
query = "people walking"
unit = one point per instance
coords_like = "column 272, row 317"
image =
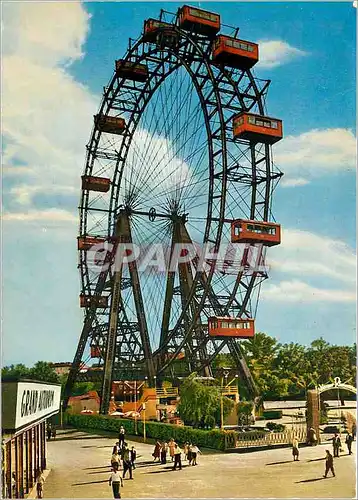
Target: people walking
column 194, row 453
column 163, row 453
column 127, row 464
column 115, row 479
column 121, row 436
column 54, row 432
column 349, row 441
column 295, row 451
column 329, row 464
column 133, row 456
column 190, row 454
column 177, row 457
column 39, row 484
column 172, row 445
column 156, row 452
column 117, row 448
column 48, row 431
column 336, row 442
column 115, row 459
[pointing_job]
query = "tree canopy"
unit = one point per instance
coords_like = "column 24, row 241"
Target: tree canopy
column 40, row 371
column 289, row 370
column 200, row 404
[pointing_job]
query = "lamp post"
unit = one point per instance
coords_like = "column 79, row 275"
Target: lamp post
column 61, row 409
column 135, row 407
column 225, row 374
column 144, row 433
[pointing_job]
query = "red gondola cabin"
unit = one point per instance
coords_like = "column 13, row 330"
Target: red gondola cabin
column 235, row 53
column 198, row 20
column 257, row 128
column 100, row 184
column 96, row 351
column 250, row 231
column 96, row 301
column 87, row 242
column 131, row 71
column 231, row 327
column 153, row 26
column 110, row 124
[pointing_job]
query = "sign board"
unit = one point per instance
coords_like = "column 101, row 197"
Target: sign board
column 25, row 402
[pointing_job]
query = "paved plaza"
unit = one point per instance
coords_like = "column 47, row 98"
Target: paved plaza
column 80, row 469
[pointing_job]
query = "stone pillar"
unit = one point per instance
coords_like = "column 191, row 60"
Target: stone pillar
column 313, row 412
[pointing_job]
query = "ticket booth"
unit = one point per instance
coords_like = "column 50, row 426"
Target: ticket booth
column 26, row 405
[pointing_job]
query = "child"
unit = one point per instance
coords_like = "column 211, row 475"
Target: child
column 194, row 452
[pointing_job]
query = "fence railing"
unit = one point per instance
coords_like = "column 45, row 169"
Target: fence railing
column 261, row 438
column 167, row 392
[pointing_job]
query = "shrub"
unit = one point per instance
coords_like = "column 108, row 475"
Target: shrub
column 207, row 439
column 272, row 426
column 272, row 414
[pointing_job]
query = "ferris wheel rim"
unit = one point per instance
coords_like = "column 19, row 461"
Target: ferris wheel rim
column 83, row 198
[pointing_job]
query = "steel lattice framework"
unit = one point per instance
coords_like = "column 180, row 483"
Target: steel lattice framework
column 177, row 176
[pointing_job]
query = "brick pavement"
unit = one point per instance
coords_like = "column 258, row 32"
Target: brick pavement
column 80, row 469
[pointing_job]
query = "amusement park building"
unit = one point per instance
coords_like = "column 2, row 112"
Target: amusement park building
column 26, row 404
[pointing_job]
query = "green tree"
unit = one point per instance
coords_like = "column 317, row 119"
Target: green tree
column 43, row 371
column 200, row 405
column 18, row 370
column 244, row 412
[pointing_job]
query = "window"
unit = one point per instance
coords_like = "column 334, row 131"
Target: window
column 224, row 324
column 229, row 43
column 251, row 119
column 267, row 124
column 250, row 48
column 250, row 227
column 259, row 123
column 243, row 46
column 274, row 124
column 239, row 121
column 203, row 15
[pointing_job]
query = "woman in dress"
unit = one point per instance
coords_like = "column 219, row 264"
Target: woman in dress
column 156, row 452
column 172, row 444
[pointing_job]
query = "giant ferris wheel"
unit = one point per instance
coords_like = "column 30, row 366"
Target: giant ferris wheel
column 180, row 153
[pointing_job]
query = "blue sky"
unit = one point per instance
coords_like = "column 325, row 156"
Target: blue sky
column 56, row 59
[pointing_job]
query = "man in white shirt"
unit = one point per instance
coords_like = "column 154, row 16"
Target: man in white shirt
column 115, row 479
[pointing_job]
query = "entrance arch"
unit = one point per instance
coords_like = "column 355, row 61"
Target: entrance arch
column 313, row 403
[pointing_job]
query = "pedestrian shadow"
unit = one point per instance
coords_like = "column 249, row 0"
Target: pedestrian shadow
column 311, row 480
column 109, row 468
column 140, row 465
column 317, row 459
column 75, row 438
column 90, row 482
column 166, row 469
column 102, row 467
column 279, row 463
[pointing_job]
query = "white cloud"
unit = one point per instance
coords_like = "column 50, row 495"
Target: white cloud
column 305, row 259
column 46, row 115
column 51, row 216
column 304, row 253
column 298, row 291
column 276, row 52
column 299, row 181
column 316, row 153
column 46, row 33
